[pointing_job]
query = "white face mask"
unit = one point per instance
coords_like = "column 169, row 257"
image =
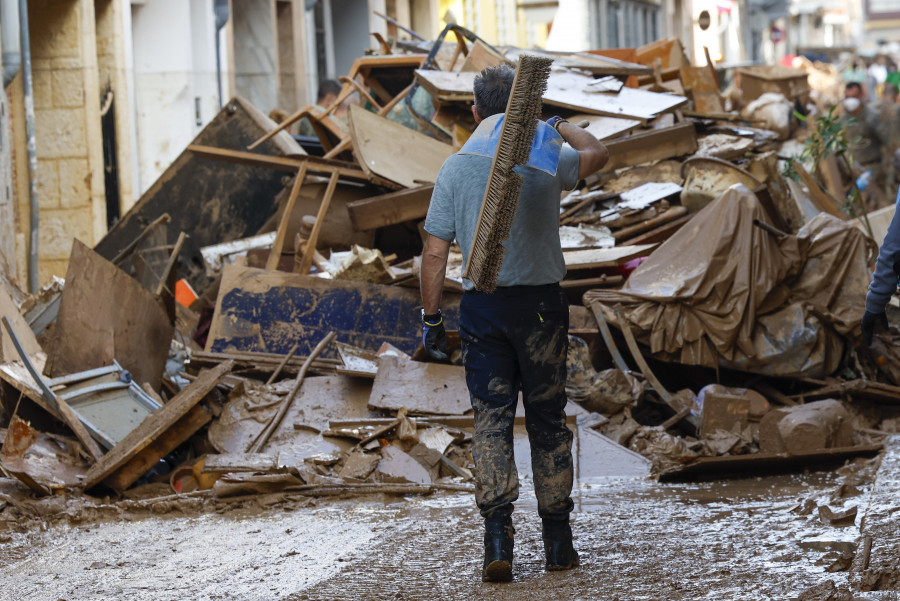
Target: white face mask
column 851, row 104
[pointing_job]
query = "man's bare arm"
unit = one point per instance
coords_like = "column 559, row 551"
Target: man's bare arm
column 592, row 153
column 434, row 268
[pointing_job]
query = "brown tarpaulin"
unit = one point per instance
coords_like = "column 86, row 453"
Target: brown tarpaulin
column 723, row 292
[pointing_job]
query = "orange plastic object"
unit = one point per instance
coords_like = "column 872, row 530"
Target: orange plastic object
column 184, row 294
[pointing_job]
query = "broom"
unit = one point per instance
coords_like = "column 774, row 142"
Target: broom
column 498, row 207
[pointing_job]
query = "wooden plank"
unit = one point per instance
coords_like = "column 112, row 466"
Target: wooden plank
column 168, row 441
column 289, row 165
column 24, row 333
column 105, row 315
column 448, row 86
column 704, row 88
column 819, row 197
column 310, row 251
column 604, row 257
column 603, row 127
column 596, row 64
column 669, row 51
column 196, row 192
column 672, row 214
column 393, row 152
column 227, row 463
column 660, row 233
column 278, row 245
column 423, row 388
column 390, row 208
column 481, row 56
column 623, row 54
column 155, row 427
column 259, row 310
column 652, row 146
column 742, row 466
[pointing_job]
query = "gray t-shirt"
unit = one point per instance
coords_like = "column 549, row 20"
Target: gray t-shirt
column 533, row 253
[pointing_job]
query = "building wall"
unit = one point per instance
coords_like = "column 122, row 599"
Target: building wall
column 7, row 205
column 112, row 75
column 67, row 127
column 174, row 80
column 255, row 52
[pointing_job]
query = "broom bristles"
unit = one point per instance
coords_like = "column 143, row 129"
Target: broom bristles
column 501, row 198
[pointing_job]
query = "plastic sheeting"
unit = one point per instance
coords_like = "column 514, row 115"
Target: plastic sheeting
column 722, row 291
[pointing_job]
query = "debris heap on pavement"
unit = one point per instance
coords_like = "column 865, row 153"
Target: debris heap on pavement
column 251, row 325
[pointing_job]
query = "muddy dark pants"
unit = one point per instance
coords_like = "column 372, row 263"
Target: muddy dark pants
column 516, row 338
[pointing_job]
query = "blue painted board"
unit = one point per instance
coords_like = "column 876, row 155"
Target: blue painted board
column 270, row 311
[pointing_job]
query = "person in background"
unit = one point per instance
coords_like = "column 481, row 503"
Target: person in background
column 861, row 123
column 328, row 93
column 888, row 114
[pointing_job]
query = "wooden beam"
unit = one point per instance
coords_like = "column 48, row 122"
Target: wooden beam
column 155, row 426
column 289, row 165
column 168, row 441
column 390, row 209
column 656, row 145
column 660, row 233
column 170, row 265
column 310, row 250
column 631, row 231
column 278, row 245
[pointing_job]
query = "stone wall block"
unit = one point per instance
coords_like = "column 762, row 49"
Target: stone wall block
column 48, row 185
column 68, row 88
column 58, row 228
column 75, row 183
column 60, row 133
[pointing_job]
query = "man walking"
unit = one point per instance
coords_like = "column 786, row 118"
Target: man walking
column 515, row 338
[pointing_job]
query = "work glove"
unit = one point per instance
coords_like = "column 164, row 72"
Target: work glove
column 434, row 336
column 869, row 322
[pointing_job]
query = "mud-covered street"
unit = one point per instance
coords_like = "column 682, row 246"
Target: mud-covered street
column 638, row 539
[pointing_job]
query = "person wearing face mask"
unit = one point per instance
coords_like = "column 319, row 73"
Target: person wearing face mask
column 861, row 129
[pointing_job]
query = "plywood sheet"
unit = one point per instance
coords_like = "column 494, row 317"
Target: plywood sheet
column 211, row 201
column 448, row 86
column 268, row 311
column 423, row 388
column 396, row 153
column 105, row 315
column 604, row 257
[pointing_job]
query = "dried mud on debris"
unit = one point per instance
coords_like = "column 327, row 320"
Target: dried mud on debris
column 245, row 340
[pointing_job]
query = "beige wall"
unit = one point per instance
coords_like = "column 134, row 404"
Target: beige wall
column 113, row 74
column 67, row 128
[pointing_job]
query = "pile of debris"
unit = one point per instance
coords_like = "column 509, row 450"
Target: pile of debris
column 251, row 325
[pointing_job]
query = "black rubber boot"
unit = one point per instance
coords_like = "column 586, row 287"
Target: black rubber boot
column 498, row 550
column 558, row 550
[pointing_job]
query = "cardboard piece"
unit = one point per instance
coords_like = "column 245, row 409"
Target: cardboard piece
column 422, row 388
column 105, row 315
column 265, row 311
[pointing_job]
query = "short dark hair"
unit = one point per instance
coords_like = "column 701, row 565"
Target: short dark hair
column 853, row 85
column 329, row 86
column 492, row 88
